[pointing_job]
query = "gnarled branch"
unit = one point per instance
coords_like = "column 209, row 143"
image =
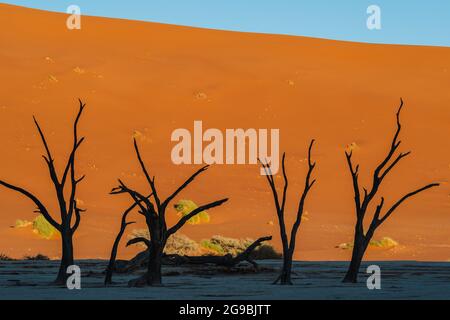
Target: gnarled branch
column 192, row 214
column 41, row 208
column 112, row 259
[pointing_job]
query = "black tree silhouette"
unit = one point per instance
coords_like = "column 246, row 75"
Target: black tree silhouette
column 289, row 245
column 154, row 212
column 67, row 201
column 362, row 238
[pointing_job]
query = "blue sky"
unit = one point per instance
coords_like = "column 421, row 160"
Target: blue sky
column 421, row 22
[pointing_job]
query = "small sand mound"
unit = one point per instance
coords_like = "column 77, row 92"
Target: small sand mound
column 352, row 147
column 383, row 243
column 78, row 70
column 52, row 79
column 201, row 96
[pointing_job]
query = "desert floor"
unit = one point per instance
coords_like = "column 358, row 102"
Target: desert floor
column 312, row 280
column 146, row 80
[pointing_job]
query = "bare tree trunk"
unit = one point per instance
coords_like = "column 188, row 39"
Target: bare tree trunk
column 289, row 245
column 286, row 271
column 66, row 259
column 154, row 266
column 359, row 248
column 112, row 260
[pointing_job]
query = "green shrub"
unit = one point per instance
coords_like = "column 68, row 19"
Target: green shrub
column 43, row 228
column 210, row 246
column 22, row 223
column 40, row 226
column 184, row 207
column 385, row 243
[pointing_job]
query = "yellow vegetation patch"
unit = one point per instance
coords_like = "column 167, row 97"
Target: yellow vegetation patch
column 40, row 226
column 383, row 243
column 184, row 207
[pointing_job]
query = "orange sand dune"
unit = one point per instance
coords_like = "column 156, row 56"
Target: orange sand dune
column 152, row 78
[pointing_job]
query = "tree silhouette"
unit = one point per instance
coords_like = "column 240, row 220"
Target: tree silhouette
column 362, row 238
column 112, row 260
column 154, row 212
column 67, row 201
column 289, row 245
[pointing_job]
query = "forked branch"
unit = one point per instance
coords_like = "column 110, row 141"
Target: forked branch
column 289, row 244
column 380, row 172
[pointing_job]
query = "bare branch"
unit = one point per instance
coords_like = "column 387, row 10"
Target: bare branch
column 77, row 181
column 246, row 254
column 151, row 181
column 138, row 240
column 112, row 260
column 362, row 239
column 137, row 197
column 49, row 160
column 377, row 179
column 394, row 163
column 192, row 214
column 66, row 170
column 127, row 212
column 395, row 143
column 183, row 186
column 41, row 208
column 271, row 181
column 399, row 202
column 44, row 141
column 71, row 161
column 354, row 174
column 283, row 201
column 78, row 212
column 279, row 207
column 375, row 221
column 308, row 186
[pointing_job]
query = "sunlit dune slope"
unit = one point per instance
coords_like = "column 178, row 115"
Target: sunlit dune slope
column 146, row 80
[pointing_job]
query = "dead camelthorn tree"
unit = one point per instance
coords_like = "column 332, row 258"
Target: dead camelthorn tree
column 362, row 238
column 112, row 260
column 289, row 245
column 70, row 214
column 154, row 212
